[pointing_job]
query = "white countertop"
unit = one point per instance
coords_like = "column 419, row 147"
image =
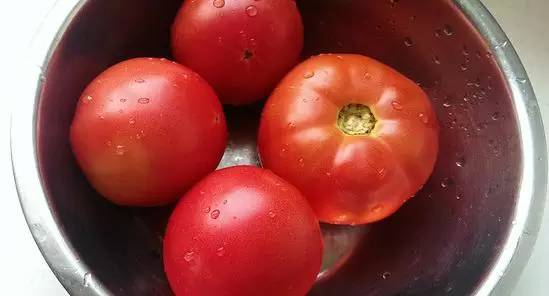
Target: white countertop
column 23, row 271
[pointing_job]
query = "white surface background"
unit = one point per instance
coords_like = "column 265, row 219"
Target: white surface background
column 23, row 271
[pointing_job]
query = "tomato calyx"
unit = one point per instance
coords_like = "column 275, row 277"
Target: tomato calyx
column 356, row 120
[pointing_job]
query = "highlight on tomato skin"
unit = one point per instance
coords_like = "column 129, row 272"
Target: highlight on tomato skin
column 241, row 47
column 139, row 128
column 356, row 137
column 242, row 231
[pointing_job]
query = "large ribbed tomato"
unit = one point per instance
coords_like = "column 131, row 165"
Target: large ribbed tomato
column 355, row 136
column 146, row 130
column 242, row 231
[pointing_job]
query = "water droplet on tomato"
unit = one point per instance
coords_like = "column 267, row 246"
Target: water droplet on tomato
column 272, row 214
column 377, row 208
column 463, row 67
column 219, row 3
column 496, row 116
column 446, row 104
column 87, row 99
column 423, row 118
column 143, row 100
column 140, row 80
column 386, row 275
column 396, row 105
column 131, row 120
column 225, row 202
column 120, row 150
column 189, row 256
column 123, row 100
column 436, row 60
column 251, row 10
column 220, row 251
column 207, row 210
column 215, row 214
column 308, row 74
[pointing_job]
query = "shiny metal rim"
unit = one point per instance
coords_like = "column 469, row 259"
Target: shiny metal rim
column 75, row 276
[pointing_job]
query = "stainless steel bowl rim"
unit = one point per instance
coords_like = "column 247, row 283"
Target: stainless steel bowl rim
column 75, row 275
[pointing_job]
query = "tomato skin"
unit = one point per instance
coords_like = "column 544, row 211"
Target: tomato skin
column 349, row 179
column 139, row 131
column 241, row 47
column 242, row 231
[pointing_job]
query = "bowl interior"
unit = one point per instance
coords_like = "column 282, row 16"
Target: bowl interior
column 441, row 242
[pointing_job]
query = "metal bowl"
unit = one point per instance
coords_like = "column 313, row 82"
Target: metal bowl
column 469, row 231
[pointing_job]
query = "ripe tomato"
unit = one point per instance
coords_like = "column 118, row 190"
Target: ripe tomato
column 145, row 130
column 241, row 47
column 355, row 136
column 242, row 231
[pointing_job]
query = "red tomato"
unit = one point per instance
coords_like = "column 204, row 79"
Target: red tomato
column 145, row 130
column 355, row 136
column 242, row 231
column 242, row 47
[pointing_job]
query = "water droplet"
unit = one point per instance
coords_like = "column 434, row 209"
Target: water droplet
column 444, row 183
column 251, row 10
column 521, row 80
column 463, row 67
column 123, row 100
column 215, row 214
column 220, row 251
column 291, row 125
column 465, row 51
column 87, row 99
column 87, row 279
column 502, row 44
column 131, row 120
column 460, row 162
column 424, row 118
column 496, row 116
column 386, row 275
column 408, row 42
column 436, row 60
column 225, row 202
column 189, row 256
column 308, row 74
column 396, row 105
column 448, row 30
column 143, row 100
column 120, row 150
column 438, row 33
column 207, row 210
column 219, row 3
column 447, row 104
column 301, row 162
column 140, row 80
column 328, row 174
column 458, row 196
column 377, row 208
column 272, row 214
